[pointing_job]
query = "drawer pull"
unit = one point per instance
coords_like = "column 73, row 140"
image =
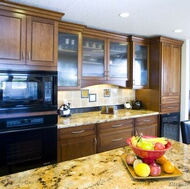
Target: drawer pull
column 113, row 126
column 170, row 107
column 118, row 139
column 77, row 132
column 146, row 120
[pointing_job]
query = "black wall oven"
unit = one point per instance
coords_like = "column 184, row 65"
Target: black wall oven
column 28, row 120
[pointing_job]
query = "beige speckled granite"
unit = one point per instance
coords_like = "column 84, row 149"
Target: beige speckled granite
column 100, row 171
column 97, row 117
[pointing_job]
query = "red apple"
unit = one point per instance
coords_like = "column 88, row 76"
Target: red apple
column 159, row 146
column 168, row 145
column 155, row 169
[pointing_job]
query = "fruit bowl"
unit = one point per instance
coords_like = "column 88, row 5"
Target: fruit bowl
column 148, row 154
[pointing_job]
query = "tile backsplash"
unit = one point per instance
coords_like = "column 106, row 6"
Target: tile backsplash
column 115, row 96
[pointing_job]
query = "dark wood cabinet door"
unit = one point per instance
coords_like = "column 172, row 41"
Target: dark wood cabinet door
column 12, row 38
column 74, row 148
column 171, row 70
column 149, row 130
column 42, row 41
column 112, row 140
column 146, row 125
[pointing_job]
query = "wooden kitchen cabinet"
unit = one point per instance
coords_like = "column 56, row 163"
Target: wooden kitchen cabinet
column 28, row 39
column 164, row 76
column 75, row 142
column 104, row 58
column 140, row 62
column 69, row 56
column 146, row 125
column 114, row 134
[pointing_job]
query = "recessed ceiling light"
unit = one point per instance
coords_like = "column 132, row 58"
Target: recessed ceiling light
column 124, row 14
column 178, row 31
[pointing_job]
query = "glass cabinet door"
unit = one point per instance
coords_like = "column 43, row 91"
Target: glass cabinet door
column 67, row 60
column 93, row 58
column 118, row 67
column 140, row 66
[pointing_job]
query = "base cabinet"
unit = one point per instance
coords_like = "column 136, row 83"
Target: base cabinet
column 114, row 134
column 80, row 141
column 75, row 148
column 75, row 142
column 146, row 125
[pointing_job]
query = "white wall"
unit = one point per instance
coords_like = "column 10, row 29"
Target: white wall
column 185, row 84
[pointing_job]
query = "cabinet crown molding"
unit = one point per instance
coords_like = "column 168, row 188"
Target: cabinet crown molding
column 29, row 10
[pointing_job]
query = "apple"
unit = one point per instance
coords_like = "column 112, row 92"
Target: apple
column 155, row 169
column 159, row 146
column 168, row 145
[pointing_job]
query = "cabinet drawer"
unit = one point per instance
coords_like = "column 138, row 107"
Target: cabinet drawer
column 78, row 131
column 147, row 120
column 170, row 99
column 167, row 108
column 108, row 141
column 115, row 126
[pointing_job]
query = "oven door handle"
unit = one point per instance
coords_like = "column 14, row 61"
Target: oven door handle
column 28, row 129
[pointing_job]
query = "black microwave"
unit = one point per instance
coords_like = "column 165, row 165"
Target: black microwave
column 28, row 91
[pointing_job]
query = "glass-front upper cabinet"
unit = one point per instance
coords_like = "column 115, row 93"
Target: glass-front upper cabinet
column 68, row 58
column 140, row 66
column 118, row 65
column 93, row 64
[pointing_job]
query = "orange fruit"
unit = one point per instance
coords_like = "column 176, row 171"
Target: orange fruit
column 161, row 160
column 168, row 167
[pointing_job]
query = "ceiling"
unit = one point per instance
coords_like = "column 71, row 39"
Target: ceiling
column 147, row 17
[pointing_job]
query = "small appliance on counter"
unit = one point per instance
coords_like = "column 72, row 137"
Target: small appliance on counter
column 128, row 105
column 65, row 109
column 136, row 105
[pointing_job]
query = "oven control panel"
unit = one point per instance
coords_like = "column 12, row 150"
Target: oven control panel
column 25, row 121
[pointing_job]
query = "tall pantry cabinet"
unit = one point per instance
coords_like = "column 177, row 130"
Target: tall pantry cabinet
column 163, row 94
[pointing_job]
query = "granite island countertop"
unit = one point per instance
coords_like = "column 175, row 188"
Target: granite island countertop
column 96, row 117
column 100, row 171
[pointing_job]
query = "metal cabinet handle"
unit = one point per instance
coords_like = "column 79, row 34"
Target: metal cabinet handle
column 118, row 139
column 95, row 141
column 108, row 75
column 22, row 55
column 104, row 73
column 146, row 120
column 79, row 82
column 29, row 55
column 113, row 126
column 77, row 132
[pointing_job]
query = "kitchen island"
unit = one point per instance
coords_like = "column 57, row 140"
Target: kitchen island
column 100, row 171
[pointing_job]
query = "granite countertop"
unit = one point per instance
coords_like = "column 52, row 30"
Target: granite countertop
column 97, row 117
column 100, row 171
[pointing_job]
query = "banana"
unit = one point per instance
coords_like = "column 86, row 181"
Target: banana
column 134, row 140
column 154, row 140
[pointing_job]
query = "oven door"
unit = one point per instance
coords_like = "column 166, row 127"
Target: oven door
column 26, row 149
